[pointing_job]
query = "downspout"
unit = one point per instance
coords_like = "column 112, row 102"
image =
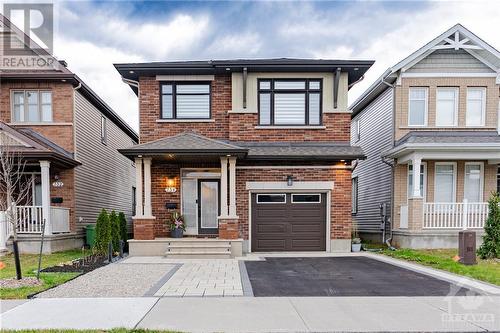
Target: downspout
column 132, row 83
column 356, row 82
column 74, row 118
column 135, row 84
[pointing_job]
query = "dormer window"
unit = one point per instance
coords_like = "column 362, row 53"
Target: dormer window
column 31, row 106
column 289, row 102
column 185, row 100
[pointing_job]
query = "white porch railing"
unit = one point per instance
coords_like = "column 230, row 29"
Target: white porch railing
column 455, row 215
column 29, row 219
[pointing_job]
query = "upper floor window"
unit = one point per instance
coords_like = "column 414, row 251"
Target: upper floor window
column 354, row 195
column 185, row 100
column 104, row 136
column 33, row 106
column 289, row 102
column 476, row 107
column 446, row 106
column 417, row 109
column 357, row 130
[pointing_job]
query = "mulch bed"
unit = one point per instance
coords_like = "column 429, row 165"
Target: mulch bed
column 82, row 265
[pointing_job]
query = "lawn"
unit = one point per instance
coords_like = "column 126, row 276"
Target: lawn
column 114, row 330
column 485, row 270
column 29, row 265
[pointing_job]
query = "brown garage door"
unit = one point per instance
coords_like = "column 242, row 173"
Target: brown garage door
column 289, row 222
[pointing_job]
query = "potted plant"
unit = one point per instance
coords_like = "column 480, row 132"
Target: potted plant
column 355, row 240
column 177, row 225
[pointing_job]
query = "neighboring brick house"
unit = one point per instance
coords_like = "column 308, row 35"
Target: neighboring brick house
column 429, row 128
column 255, row 153
column 68, row 138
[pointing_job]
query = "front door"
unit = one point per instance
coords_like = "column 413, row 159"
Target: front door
column 208, row 206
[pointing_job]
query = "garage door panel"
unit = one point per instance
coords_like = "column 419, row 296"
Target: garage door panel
column 289, row 226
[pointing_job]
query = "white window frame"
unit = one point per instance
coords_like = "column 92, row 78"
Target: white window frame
column 357, row 129
column 306, row 202
column 22, row 118
column 455, row 115
column 268, row 203
column 424, row 187
column 483, row 106
column 481, row 182
column 454, row 164
column 426, row 104
column 354, row 195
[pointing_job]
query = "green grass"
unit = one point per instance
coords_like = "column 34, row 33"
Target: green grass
column 485, row 270
column 114, row 330
column 29, row 265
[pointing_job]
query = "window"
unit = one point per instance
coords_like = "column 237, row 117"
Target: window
column 444, row 182
column 33, row 106
column 446, row 106
column 133, row 200
column 354, row 195
column 289, row 102
column 185, row 100
column 473, row 184
column 417, row 111
column 476, row 107
column 423, row 187
column 271, row 198
column 103, row 130
column 306, row 198
column 357, row 130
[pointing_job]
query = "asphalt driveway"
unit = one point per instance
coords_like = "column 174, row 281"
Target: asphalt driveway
column 341, row 276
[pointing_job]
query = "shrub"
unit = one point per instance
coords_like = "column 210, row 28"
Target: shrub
column 115, row 230
column 123, row 226
column 103, row 232
column 491, row 239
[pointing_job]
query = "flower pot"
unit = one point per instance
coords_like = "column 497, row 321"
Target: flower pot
column 355, row 247
column 176, row 233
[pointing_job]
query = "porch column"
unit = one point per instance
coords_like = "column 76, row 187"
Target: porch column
column 416, row 162
column 147, row 187
column 138, row 187
column 223, row 187
column 45, row 175
column 232, row 186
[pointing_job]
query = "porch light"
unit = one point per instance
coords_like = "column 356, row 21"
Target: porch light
column 170, row 182
column 170, row 188
column 289, row 180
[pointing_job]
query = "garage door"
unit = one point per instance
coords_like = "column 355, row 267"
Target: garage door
column 288, row 222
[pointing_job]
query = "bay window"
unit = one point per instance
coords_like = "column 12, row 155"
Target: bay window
column 444, row 182
column 185, row 100
column 476, row 107
column 34, row 106
column 446, row 106
column 417, row 106
column 473, row 183
column 289, row 102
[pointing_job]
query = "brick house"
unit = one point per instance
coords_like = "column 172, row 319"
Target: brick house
column 429, row 126
column 254, row 153
column 68, row 137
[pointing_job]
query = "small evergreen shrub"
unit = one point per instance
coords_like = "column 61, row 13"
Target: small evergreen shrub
column 103, row 232
column 491, row 239
column 115, row 230
column 123, row 226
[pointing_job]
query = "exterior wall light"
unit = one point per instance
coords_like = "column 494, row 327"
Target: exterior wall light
column 170, row 186
column 289, row 180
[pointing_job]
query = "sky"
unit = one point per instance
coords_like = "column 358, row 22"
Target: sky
column 92, row 36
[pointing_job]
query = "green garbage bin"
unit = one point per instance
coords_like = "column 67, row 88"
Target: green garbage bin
column 90, row 235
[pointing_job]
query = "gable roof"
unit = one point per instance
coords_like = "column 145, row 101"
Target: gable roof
column 31, row 144
column 457, row 37
column 59, row 72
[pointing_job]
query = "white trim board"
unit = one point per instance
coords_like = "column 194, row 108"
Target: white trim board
column 249, row 167
column 416, row 75
column 283, row 186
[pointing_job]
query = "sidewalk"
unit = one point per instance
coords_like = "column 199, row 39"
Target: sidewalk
column 245, row 314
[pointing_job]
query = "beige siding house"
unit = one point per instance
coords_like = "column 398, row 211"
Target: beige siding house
column 444, row 147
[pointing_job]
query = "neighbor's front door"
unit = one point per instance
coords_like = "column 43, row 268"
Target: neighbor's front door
column 208, row 206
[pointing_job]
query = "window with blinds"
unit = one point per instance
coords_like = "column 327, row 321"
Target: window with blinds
column 289, row 102
column 33, row 106
column 185, row 100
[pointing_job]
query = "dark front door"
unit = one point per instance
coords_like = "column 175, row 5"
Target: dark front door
column 289, row 222
column 208, row 206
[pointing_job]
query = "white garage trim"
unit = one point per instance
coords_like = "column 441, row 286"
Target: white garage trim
column 297, row 187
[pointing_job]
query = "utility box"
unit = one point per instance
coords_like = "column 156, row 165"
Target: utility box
column 467, row 247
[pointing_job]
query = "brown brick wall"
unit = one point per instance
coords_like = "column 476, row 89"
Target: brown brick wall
column 66, row 192
column 402, row 93
column 227, row 125
column 62, row 109
column 144, row 228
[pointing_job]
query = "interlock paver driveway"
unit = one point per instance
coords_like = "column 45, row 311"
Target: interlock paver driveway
column 216, row 277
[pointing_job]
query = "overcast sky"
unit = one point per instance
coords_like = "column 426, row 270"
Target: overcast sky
column 91, row 36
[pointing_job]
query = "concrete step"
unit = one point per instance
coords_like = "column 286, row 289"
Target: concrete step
column 198, row 241
column 198, row 255
column 198, row 248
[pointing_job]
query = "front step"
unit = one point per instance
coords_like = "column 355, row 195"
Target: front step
column 198, row 249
